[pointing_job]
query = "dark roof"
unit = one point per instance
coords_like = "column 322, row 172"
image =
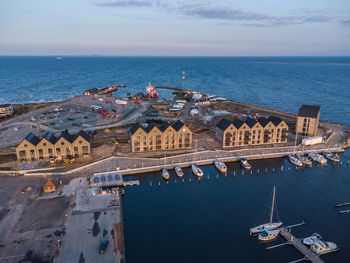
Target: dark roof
column 275, row 120
column 5, row 105
column 83, row 134
column 263, row 121
column 223, row 124
column 135, row 127
column 238, row 123
column 67, row 136
column 50, row 137
column 32, row 139
column 150, row 127
column 178, row 125
column 251, row 122
column 309, row 111
column 164, row 126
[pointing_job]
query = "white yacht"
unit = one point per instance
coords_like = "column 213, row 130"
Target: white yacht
column 322, row 247
column 179, row 171
column 221, row 166
column 165, row 174
column 317, row 158
column 309, row 241
column 245, row 164
column 332, row 156
column 268, row 235
column 196, row 170
column 304, row 160
column 271, row 225
column 294, row 160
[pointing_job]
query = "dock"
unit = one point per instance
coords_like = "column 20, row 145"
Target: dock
column 295, row 242
column 343, row 204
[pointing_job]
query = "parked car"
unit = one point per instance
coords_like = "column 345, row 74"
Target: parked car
column 76, row 123
column 103, row 246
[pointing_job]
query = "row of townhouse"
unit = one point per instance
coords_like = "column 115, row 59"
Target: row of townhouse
column 157, row 138
column 251, row 132
column 33, row 148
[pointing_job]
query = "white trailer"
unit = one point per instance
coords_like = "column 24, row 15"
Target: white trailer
column 312, row 140
column 121, row 102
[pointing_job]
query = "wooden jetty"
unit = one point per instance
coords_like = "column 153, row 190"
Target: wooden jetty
column 295, row 242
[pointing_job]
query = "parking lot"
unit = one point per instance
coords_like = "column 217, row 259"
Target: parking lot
column 81, row 112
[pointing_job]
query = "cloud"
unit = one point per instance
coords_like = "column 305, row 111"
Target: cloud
column 252, row 18
column 124, row 3
column 346, row 22
column 206, row 11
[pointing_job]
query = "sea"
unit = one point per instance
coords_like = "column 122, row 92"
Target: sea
column 208, row 220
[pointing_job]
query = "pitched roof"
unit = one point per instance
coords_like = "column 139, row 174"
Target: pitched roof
column 5, row 105
column 238, row 123
column 251, row 122
column 178, row 125
column 32, row 139
column 263, row 121
column 83, row 134
column 309, row 111
column 67, row 136
column 164, row 126
column 223, row 124
column 275, row 120
column 135, row 127
column 50, row 137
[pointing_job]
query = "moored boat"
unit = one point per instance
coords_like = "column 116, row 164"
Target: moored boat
column 179, row 171
column 332, row 156
column 322, row 247
column 196, row 170
column 271, row 225
column 304, row 159
column 317, row 158
column 268, row 235
column 165, row 174
column 245, row 163
column 221, row 166
column 309, row 241
column 294, row 160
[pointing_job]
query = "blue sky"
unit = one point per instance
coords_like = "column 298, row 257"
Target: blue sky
column 175, row 28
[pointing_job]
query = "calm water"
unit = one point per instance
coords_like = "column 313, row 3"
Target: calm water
column 209, row 221
column 280, row 82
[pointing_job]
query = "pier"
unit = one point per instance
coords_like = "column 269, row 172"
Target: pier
column 295, row 242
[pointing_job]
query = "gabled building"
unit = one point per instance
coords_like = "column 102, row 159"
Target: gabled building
column 6, row 110
column 66, row 145
column 307, row 120
column 251, row 131
column 157, row 138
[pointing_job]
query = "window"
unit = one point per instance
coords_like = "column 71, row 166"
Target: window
column 62, row 143
column 58, row 150
column 80, row 142
column 50, row 150
column 32, row 151
column 76, row 148
column 85, row 148
column 67, row 150
column 40, row 151
column 22, row 153
column 44, row 144
column 26, row 145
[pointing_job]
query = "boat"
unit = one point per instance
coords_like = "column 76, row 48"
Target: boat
column 317, row 158
column 304, row 159
column 59, row 58
column 196, row 170
column 309, row 241
column 268, row 235
column 271, row 225
column 165, row 174
column 221, row 166
column 332, row 156
column 245, row 164
column 294, row 160
column 322, row 247
column 179, row 171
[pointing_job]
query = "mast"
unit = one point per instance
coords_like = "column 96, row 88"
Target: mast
column 273, row 203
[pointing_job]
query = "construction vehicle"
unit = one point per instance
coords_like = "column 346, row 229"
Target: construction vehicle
column 69, row 160
column 114, row 141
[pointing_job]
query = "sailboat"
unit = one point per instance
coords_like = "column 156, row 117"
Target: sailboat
column 271, row 225
column 292, row 157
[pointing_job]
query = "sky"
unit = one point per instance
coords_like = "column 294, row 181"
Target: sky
column 175, row 27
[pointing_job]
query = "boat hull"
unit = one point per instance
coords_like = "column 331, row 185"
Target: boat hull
column 263, row 227
column 179, row 172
